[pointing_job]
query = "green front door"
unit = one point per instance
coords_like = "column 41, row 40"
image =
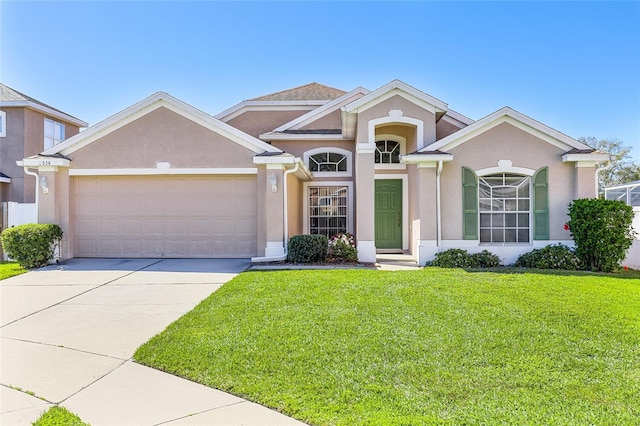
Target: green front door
column 388, row 214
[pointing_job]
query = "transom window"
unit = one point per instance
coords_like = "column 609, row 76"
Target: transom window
column 328, row 209
column 328, row 162
column 53, row 133
column 504, row 203
column 387, row 152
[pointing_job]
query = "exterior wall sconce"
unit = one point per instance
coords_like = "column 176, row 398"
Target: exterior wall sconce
column 274, row 182
column 44, row 185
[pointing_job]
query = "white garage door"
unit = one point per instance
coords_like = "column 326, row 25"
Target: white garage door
column 164, row 216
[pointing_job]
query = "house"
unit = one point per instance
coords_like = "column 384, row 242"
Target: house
column 27, row 127
column 394, row 166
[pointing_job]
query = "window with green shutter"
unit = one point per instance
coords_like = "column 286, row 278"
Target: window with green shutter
column 469, row 204
column 541, row 204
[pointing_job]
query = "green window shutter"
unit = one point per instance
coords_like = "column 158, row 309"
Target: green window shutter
column 541, row 204
column 469, row 204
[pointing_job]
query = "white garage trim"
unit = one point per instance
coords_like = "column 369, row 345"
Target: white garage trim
column 165, row 171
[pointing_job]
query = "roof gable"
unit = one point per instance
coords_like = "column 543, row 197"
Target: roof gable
column 397, row 87
column 299, row 123
column 515, row 118
column 148, row 105
column 307, row 92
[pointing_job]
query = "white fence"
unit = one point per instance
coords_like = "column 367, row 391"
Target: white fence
column 20, row 213
column 14, row 214
column 633, row 255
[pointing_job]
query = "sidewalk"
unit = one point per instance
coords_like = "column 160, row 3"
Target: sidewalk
column 68, row 333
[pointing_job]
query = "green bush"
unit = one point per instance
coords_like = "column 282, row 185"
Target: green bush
column 459, row 258
column 550, row 257
column 452, row 258
column 308, row 248
column 602, row 232
column 342, row 246
column 30, row 245
column 484, row 259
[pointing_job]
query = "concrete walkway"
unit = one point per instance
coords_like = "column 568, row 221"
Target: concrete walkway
column 68, row 333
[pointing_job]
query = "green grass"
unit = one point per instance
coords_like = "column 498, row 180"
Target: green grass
column 417, row 347
column 9, row 269
column 59, row 416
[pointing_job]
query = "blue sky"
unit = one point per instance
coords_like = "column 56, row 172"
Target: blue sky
column 572, row 65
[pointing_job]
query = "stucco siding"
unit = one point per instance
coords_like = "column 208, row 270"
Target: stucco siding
column 255, row 123
column 332, row 120
column 444, row 129
column 162, row 136
column 408, row 110
column 295, row 205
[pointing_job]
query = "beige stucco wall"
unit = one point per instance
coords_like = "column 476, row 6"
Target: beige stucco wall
column 162, row 136
column 258, row 122
column 329, row 121
column 408, row 110
column 11, row 150
column 585, row 186
column 444, row 129
column 295, row 205
column 507, row 142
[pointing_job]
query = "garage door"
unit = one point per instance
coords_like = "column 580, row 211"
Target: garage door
column 164, row 216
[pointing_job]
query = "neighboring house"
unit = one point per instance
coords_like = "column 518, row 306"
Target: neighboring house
column 27, row 127
column 395, row 166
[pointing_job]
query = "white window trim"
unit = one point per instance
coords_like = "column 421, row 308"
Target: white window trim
column 333, row 150
column 403, row 151
column 305, row 213
column 405, row 205
column 3, row 119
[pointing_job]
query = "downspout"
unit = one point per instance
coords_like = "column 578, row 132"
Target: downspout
column 438, row 207
column 285, row 221
column 598, row 170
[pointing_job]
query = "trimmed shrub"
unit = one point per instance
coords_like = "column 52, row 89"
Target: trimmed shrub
column 342, row 246
column 307, row 248
column 459, row 258
column 550, row 257
column 452, row 258
column 602, row 231
column 31, row 245
column 484, row 259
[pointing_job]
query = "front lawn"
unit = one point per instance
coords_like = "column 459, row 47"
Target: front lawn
column 9, row 269
column 417, row 347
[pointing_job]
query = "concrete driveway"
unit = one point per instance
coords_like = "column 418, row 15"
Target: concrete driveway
column 68, row 333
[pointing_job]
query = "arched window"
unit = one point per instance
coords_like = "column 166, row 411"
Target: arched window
column 387, row 152
column 329, row 161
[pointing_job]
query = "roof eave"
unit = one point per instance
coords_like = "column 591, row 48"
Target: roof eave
column 45, row 110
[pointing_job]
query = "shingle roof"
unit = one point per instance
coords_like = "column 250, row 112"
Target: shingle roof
column 7, row 94
column 308, row 92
